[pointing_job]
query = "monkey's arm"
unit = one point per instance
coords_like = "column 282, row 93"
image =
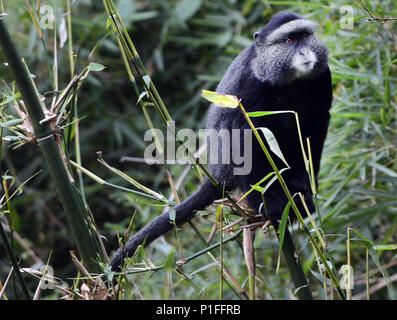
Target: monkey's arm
column 203, row 197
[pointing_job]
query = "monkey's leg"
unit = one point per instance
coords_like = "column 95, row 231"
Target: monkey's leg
column 203, row 197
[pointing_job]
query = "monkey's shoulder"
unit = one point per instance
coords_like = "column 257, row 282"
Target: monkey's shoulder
column 305, row 95
column 236, row 73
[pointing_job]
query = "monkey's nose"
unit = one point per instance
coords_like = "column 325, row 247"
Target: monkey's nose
column 303, row 51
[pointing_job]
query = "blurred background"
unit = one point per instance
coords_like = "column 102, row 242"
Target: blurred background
column 186, row 46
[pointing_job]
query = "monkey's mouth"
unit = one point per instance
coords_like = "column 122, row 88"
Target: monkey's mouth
column 306, row 66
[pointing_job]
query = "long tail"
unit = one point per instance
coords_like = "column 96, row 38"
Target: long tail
column 203, row 197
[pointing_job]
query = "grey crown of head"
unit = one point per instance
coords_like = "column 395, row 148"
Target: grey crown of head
column 273, row 60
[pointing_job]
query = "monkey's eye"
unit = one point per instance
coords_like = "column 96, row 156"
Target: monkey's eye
column 290, row 40
column 305, row 36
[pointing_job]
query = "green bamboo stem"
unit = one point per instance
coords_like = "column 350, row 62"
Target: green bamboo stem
column 82, row 229
column 251, row 287
column 6, row 242
column 151, row 88
column 14, row 263
column 295, row 268
column 221, row 252
column 75, row 109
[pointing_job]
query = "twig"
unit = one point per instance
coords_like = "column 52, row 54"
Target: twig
column 373, row 17
column 381, row 284
column 6, row 283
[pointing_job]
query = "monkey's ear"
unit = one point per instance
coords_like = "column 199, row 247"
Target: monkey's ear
column 257, row 38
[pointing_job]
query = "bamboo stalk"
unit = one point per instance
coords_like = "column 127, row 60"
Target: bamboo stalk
column 78, row 217
column 14, row 263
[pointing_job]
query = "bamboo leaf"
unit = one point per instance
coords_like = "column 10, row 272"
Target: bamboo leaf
column 266, row 113
column 10, row 99
column 185, row 9
column 371, row 249
column 273, row 144
column 281, row 232
column 169, row 261
column 383, row 247
column 11, row 123
column 223, row 100
column 93, row 66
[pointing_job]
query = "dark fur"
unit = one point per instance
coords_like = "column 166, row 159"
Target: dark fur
column 311, row 97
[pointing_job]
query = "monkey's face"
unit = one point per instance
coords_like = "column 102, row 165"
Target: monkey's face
column 290, row 52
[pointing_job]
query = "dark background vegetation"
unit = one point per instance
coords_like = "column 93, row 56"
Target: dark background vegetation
column 186, row 47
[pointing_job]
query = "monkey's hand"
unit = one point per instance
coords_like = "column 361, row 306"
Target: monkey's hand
column 160, row 225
